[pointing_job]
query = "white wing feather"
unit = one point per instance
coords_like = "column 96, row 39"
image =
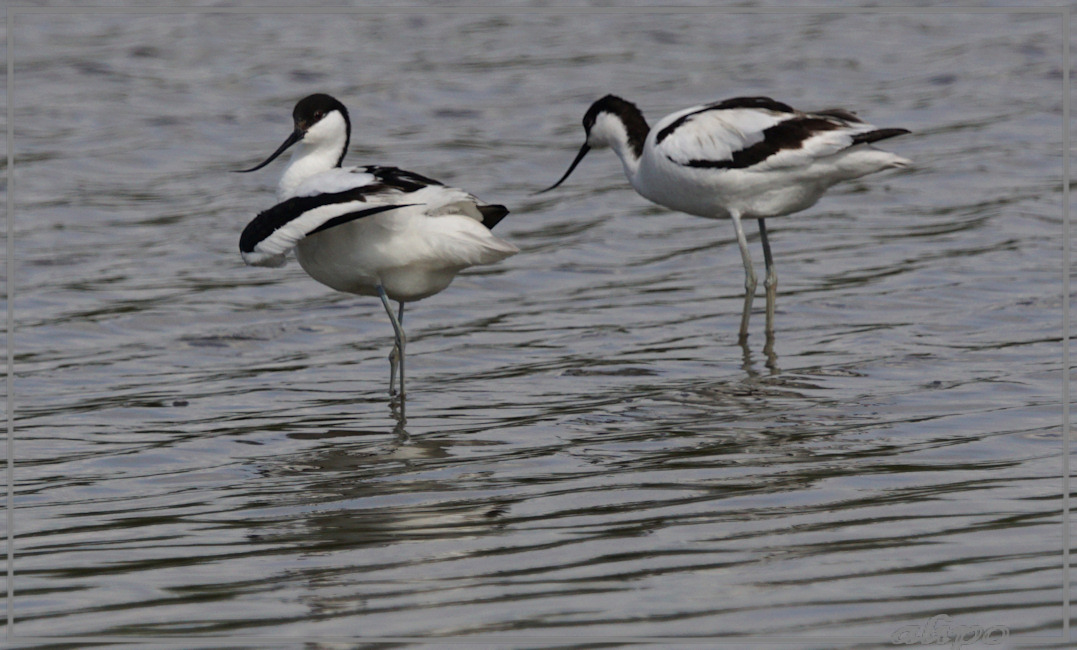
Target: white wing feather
column 333, row 181
column 717, row 135
column 458, row 237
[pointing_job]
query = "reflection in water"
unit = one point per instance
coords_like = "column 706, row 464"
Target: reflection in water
column 396, row 405
column 769, row 354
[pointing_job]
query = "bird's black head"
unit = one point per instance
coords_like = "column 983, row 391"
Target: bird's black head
column 312, row 108
column 308, row 112
column 636, row 127
column 608, row 104
column 623, row 111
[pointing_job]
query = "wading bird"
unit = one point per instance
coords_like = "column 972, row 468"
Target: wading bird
column 373, row 230
column 742, row 158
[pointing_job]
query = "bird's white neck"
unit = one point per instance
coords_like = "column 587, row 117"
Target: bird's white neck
column 610, row 130
column 629, row 158
column 307, row 161
column 321, row 149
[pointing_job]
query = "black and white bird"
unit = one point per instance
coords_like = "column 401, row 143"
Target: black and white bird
column 746, row 157
column 373, row 230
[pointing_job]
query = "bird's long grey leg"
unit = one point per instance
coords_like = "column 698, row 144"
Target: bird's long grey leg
column 770, row 283
column 401, row 341
column 400, row 346
column 749, row 276
column 394, row 354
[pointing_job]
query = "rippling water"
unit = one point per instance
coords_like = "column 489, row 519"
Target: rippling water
column 208, row 449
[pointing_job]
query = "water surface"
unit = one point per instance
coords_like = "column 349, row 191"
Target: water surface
column 208, row 449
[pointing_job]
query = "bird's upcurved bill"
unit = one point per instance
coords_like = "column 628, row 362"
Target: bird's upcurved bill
column 296, row 136
column 583, row 152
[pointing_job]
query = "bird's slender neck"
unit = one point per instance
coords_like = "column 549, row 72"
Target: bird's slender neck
column 625, row 137
column 307, row 161
column 321, row 149
column 620, row 125
column 637, row 129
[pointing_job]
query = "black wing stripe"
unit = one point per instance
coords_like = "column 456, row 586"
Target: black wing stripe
column 736, row 102
column 754, row 102
column 358, row 214
column 270, row 221
column 399, row 179
column 300, row 204
column 789, row 134
column 841, row 114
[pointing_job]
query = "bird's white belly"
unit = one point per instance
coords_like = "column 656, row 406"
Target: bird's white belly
column 715, row 193
column 356, row 257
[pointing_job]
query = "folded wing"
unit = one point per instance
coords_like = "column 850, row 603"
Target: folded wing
column 757, row 133
column 343, row 195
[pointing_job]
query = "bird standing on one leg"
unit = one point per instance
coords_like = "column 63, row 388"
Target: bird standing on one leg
column 373, row 230
column 742, row 158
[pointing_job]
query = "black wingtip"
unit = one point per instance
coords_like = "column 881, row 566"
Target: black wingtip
column 492, row 215
column 878, row 134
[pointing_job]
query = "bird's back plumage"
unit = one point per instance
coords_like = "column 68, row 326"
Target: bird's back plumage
column 757, row 156
column 759, row 134
column 374, row 217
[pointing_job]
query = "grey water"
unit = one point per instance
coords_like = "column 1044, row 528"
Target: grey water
column 207, row 451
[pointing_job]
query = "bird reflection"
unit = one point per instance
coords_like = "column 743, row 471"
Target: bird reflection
column 771, row 356
column 396, row 407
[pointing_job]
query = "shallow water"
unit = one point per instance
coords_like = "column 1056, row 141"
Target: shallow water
column 208, row 449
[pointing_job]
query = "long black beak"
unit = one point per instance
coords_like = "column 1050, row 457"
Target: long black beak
column 296, row 136
column 583, row 152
